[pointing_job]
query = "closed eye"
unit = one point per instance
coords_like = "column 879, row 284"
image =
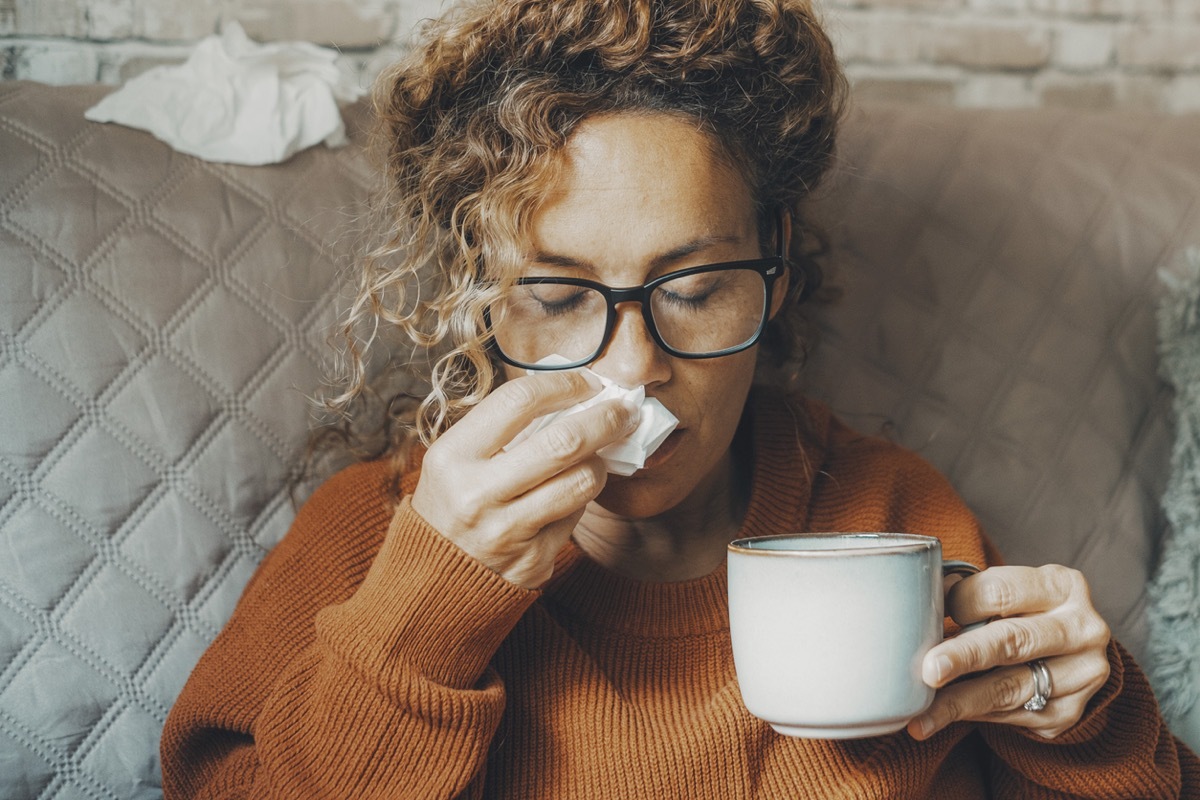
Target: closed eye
column 692, row 292
column 554, row 300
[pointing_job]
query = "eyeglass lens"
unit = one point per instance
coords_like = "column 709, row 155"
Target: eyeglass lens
column 696, row 314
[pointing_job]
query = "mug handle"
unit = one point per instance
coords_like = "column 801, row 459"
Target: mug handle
column 964, row 568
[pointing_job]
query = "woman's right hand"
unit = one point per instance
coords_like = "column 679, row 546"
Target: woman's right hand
column 514, row 510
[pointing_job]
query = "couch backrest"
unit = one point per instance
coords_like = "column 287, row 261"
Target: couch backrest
column 1000, row 271
column 161, row 320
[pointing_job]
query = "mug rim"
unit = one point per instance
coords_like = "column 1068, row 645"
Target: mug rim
column 898, row 543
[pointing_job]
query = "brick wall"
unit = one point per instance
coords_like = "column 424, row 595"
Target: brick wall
column 1137, row 54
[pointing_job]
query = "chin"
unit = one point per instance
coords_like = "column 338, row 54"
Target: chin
column 639, row 496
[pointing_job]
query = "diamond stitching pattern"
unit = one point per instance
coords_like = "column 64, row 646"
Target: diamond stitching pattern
column 122, row 308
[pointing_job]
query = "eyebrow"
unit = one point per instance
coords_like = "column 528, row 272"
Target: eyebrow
column 667, row 258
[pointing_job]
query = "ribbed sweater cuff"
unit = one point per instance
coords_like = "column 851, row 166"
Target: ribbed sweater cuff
column 425, row 606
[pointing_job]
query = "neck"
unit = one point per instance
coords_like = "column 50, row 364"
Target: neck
column 684, row 542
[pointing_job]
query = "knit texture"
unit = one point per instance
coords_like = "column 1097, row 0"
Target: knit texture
column 370, row 657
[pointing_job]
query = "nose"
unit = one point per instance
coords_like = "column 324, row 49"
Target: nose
column 632, row 357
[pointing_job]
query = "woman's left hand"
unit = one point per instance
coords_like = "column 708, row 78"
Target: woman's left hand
column 1036, row 613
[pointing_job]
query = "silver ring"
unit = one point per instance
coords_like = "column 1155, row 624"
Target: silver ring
column 1041, row 686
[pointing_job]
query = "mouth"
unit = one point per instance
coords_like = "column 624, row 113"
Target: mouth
column 665, row 450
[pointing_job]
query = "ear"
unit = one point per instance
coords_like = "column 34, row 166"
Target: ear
column 780, row 290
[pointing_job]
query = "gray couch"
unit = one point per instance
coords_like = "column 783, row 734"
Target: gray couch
column 162, row 319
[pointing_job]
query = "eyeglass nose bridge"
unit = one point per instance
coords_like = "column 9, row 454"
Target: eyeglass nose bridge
column 630, row 294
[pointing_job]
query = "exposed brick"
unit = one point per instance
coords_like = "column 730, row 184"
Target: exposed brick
column 8, row 17
column 52, row 62
column 996, row 91
column 1167, row 47
column 927, row 91
column 999, row 45
column 175, row 21
column 1141, row 54
column 909, row 5
column 1067, row 91
column 877, row 39
column 905, row 39
column 1140, row 92
column 110, row 19
column 412, row 14
column 51, row 18
column 1140, row 9
column 1079, row 46
column 1072, row 8
column 1108, row 9
column 988, row 7
column 342, row 23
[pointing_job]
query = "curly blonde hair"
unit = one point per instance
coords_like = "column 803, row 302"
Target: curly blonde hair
column 471, row 124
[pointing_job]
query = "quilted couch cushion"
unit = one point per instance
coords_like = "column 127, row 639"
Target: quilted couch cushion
column 162, row 318
column 161, row 321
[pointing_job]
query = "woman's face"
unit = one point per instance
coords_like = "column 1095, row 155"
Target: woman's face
column 641, row 195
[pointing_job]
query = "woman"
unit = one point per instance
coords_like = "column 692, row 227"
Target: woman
column 515, row 622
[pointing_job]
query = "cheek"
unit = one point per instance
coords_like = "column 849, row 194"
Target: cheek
column 721, row 395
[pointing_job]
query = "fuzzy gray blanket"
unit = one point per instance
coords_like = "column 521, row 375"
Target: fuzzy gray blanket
column 1174, row 612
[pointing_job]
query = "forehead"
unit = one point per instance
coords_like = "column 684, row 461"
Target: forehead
column 614, row 149
column 641, row 173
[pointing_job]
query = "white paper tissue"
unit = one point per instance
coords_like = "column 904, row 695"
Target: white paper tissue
column 628, row 455
column 238, row 101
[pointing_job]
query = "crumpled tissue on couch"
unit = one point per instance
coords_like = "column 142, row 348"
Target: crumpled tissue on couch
column 238, row 102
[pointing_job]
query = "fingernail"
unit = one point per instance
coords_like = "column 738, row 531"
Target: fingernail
column 925, row 727
column 941, row 668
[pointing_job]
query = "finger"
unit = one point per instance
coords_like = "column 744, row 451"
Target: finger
column 534, row 564
column 949, row 582
column 1000, row 695
column 559, row 497
column 510, row 408
column 565, row 443
column 1012, row 591
column 999, row 643
column 1060, row 714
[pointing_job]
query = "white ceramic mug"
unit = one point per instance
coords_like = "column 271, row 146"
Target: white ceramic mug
column 829, row 629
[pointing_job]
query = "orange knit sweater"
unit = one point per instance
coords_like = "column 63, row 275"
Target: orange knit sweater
column 370, row 657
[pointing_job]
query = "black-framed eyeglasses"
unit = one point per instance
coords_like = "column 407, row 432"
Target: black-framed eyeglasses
column 699, row 312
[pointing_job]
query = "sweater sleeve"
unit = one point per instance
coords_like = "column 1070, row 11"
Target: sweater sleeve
column 1121, row 747
column 355, row 665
